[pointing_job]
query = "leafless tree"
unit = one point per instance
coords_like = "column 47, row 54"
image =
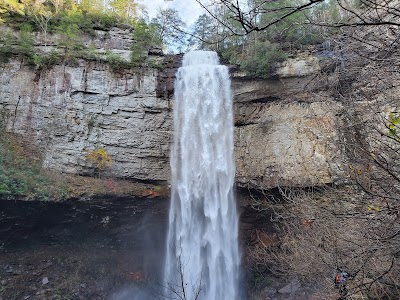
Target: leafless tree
column 352, row 13
column 178, row 288
column 355, row 226
column 324, row 230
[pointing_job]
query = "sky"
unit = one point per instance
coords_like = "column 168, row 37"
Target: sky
column 189, row 10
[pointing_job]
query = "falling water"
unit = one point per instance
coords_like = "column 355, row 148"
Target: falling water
column 202, row 246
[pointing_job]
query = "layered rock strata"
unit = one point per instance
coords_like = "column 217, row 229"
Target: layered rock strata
column 286, row 127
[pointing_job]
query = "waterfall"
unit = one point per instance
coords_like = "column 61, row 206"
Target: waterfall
column 202, row 260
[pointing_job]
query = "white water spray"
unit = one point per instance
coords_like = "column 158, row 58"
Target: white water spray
column 202, row 246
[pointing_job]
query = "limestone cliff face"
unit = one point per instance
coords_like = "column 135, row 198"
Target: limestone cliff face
column 70, row 110
column 286, row 128
column 289, row 144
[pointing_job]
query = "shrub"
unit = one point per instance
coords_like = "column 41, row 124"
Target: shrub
column 21, row 44
column 100, row 160
column 144, row 39
column 6, row 47
column 21, row 173
column 46, row 61
column 116, row 62
column 261, row 63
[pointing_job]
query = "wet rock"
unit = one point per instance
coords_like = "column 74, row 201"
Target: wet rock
column 94, row 253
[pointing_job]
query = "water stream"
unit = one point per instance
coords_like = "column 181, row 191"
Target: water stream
column 202, row 260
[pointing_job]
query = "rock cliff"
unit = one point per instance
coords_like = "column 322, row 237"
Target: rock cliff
column 286, row 127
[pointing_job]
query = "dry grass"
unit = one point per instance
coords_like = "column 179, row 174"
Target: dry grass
column 324, row 230
column 84, row 185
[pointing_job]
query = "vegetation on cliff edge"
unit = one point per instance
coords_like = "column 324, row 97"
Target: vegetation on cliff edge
column 68, row 22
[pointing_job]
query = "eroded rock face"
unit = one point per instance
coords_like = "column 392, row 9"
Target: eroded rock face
column 287, row 144
column 298, row 67
column 70, row 110
column 286, row 127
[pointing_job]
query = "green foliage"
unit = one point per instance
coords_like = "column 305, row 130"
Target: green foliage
column 91, row 6
column 45, row 62
column 393, row 126
column 18, row 177
column 117, row 63
column 10, row 7
column 99, row 159
column 261, row 64
column 91, row 22
column 257, row 52
column 144, row 39
column 155, row 64
column 25, row 41
column 91, row 52
column 86, row 22
column 6, row 47
column 21, row 44
column 126, row 9
column 169, row 28
column 201, row 32
column 293, row 31
column 257, row 59
column 70, row 21
column 87, row 14
column 21, row 174
column 68, row 28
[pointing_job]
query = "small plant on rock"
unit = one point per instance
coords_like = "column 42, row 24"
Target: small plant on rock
column 100, row 159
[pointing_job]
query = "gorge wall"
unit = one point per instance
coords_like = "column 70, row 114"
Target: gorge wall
column 287, row 129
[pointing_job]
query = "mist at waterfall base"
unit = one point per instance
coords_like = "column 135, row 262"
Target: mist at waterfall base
column 202, row 245
column 202, row 252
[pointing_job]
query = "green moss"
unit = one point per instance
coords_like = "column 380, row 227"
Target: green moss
column 46, row 61
column 21, row 44
column 117, row 63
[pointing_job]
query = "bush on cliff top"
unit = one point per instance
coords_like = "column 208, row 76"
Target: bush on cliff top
column 71, row 20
